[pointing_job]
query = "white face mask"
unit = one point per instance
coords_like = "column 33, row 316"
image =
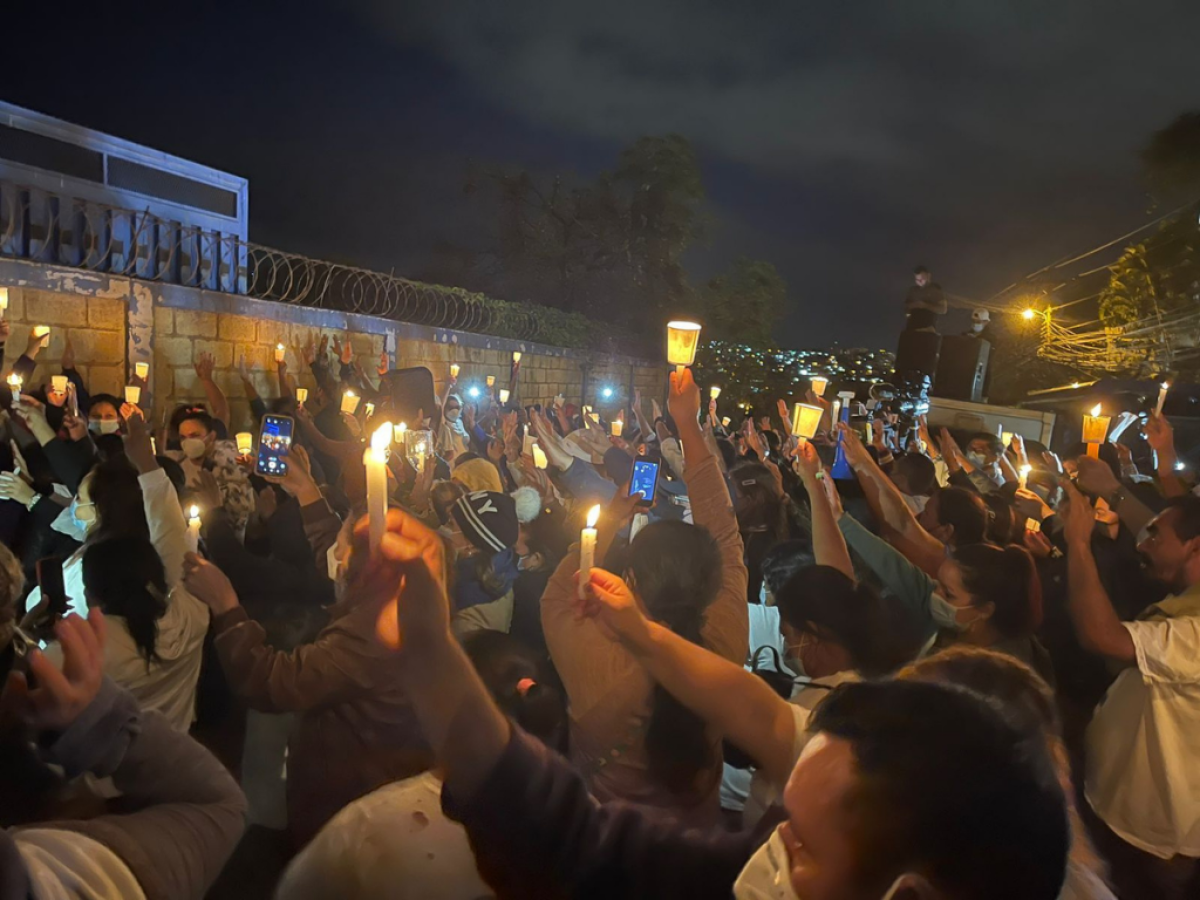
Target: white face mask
column 104, row 426
column 768, row 875
column 945, row 614
column 453, row 414
column 193, row 448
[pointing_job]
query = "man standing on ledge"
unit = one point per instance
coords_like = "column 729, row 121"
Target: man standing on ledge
column 924, row 302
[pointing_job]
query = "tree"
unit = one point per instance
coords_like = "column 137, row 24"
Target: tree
column 1171, row 161
column 745, row 304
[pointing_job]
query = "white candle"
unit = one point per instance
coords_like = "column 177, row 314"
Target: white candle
column 375, row 459
column 133, row 394
column 1023, row 476
column 349, row 402
column 141, row 370
column 370, row 410
column 280, row 350
column 3, row 299
column 301, row 395
column 58, row 383
column 1162, row 397
column 14, row 384
column 836, row 412
column 503, row 396
column 398, row 433
column 245, row 443
column 454, row 370
column 587, row 549
column 193, row 528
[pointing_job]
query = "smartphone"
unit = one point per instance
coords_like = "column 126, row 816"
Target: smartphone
column 50, row 580
column 644, row 481
column 274, row 445
column 72, row 399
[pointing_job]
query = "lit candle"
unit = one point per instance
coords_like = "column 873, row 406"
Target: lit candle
column 617, row 427
column 454, row 370
column 539, row 457
column 375, row 459
column 398, row 433
column 503, row 396
column 41, row 331
column 370, row 410
column 14, row 384
column 193, row 528
column 806, row 420
column 1023, row 476
column 516, row 356
column 349, row 402
column 3, row 299
column 301, row 395
column 245, row 443
column 133, row 394
column 587, row 550
column 280, row 350
column 1006, row 438
column 714, row 392
column 835, row 411
column 1162, row 397
column 416, row 448
column 595, row 417
column 1095, row 430
column 682, row 340
column 141, row 370
column 819, row 384
column 58, row 383
column 491, row 381
column 725, row 422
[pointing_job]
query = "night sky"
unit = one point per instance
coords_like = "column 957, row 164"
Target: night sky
column 844, row 142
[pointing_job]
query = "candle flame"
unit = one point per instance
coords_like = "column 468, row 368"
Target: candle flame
column 193, row 512
column 1165, row 385
column 1096, row 410
column 381, row 438
column 593, row 516
column 14, row 379
column 280, row 347
column 1026, row 469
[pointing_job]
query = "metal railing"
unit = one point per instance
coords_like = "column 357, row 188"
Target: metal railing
column 41, row 226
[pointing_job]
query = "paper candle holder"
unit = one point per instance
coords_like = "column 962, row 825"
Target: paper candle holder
column 1006, row 438
column 714, row 392
column 725, row 422
column 516, row 356
column 350, row 403
column 806, row 420
column 280, row 352
column 301, row 395
column 133, row 394
column 491, row 381
column 617, row 427
column 418, row 445
column 245, row 443
column 454, row 370
column 682, row 340
column 819, row 384
column 58, row 383
column 3, row 299
column 141, row 370
column 503, row 396
column 370, row 411
column 41, row 331
column 398, row 431
column 1095, row 427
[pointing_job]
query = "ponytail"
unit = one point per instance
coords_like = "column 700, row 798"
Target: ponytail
column 1007, row 578
column 125, row 577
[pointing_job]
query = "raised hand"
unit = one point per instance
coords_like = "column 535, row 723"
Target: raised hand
column 37, row 343
column 347, row 352
column 137, row 440
column 209, row 584
column 807, row 462
column 409, row 573
column 612, row 605
column 1160, row 435
column 60, row 696
column 204, row 366
column 1079, row 518
column 14, row 487
column 684, row 399
column 1095, row 477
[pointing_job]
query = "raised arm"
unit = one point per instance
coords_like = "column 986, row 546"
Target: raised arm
column 1161, row 437
column 829, row 546
column 218, row 405
column 1096, row 622
column 1095, row 477
column 164, row 515
column 727, row 625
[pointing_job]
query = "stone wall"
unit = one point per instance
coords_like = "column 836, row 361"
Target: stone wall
column 114, row 322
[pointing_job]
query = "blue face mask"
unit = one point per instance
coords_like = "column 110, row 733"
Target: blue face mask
column 83, row 524
column 945, row 614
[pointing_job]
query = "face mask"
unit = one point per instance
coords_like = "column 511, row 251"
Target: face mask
column 104, row 426
column 945, row 614
column 978, row 326
column 453, row 414
column 765, row 597
column 66, row 523
column 978, row 460
column 768, row 875
column 193, row 448
column 85, row 521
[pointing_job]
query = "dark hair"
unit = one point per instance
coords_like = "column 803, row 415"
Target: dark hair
column 920, row 474
column 1187, row 523
column 117, row 493
column 772, row 440
column 487, row 575
column 966, row 511
column 1002, row 522
column 124, row 577
column 548, row 536
column 948, row 785
column 823, row 602
column 728, row 452
column 175, row 474
column 108, row 446
column 921, row 270
column 994, row 443
column 783, row 561
column 504, row 664
column 114, row 402
column 442, row 496
column 757, row 500
column 677, row 570
column 193, row 414
column 1007, row 578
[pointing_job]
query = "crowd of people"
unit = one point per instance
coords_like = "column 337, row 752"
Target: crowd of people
column 963, row 671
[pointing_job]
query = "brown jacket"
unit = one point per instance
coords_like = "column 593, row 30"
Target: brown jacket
column 357, row 730
column 611, row 695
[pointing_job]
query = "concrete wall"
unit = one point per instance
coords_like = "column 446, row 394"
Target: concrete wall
column 113, row 322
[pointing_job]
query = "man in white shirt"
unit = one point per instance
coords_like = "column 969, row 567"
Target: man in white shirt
column 1143, row 746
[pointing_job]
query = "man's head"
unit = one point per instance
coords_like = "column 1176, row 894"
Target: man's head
column 915, row 474
column 922, row 276
column 1171, row 549
column 955, row 516
column 983, row 448
column 924, row 787
column 196, row 434
column 980, row 319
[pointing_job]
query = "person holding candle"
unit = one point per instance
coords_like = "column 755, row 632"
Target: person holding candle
column 486, row 567
column 453, row 439
column 202, row 450
column 692, row 578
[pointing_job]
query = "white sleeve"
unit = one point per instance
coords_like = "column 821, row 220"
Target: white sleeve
column 1168, row 650
column 673, row 454
column 168, row 529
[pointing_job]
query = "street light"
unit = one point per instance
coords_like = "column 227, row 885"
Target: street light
column 1028, row 315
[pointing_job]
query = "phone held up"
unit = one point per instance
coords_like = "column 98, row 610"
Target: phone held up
column 644, row 481
column 274, row 445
